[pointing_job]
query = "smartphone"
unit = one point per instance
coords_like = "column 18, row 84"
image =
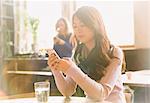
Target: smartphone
column 53, row 52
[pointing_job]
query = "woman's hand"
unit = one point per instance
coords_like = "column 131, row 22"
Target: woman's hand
column 53, row 59
column 56, row 63
column 63, row 65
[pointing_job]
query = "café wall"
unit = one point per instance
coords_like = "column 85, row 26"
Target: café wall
column 142, row 24
column 138, row 58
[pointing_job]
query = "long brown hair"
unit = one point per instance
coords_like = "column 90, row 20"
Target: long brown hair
column 93, row 20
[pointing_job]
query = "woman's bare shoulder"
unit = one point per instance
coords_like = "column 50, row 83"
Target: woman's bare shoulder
column 118, row 52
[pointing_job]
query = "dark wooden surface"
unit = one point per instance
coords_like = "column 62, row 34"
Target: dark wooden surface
column 137, row 59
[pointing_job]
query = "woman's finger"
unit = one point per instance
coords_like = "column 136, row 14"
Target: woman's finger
column 67, row 58
column 52, row 60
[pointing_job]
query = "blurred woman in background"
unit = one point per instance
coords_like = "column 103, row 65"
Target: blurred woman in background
column 62, row 43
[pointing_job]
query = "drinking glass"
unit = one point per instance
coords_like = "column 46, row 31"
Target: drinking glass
column 42, row 91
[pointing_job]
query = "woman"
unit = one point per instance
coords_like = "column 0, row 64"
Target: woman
column 62, row 43
column 98, row 64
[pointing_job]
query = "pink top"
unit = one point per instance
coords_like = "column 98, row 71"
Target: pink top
column 109, row 88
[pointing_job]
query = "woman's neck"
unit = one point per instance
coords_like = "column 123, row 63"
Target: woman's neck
column 90, row 45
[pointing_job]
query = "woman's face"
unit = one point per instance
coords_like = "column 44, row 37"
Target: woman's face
column 82, row 32
column 61, row 27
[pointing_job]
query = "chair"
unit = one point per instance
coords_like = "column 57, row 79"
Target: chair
column 129, row 94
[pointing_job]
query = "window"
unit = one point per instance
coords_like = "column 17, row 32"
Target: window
column 118, row 19
column 48, row 12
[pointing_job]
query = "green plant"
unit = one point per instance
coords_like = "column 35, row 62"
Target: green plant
column 34, row 22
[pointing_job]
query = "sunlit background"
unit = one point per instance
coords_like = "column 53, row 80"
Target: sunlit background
column 47, row 13
column 118, row 18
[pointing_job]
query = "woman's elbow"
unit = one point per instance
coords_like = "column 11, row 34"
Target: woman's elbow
column 68, row 92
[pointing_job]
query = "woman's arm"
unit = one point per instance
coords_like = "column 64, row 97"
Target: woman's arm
column 67, row 45
column 64, row 84
column 98, row 91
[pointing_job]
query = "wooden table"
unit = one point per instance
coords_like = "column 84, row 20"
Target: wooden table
column 52, row 99
column 137, row 78
column 22, row 81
